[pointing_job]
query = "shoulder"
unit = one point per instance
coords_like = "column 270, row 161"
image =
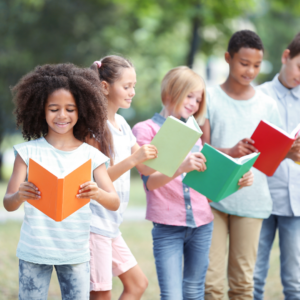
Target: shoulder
column 30, row 145
column 266, row 88
column 122, row 123
column 92, row 153
column 265, row 98
column 145, row 131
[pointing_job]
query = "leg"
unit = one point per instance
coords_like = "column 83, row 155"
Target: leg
column 101, row 267
column 196, row 251
column 266, row 239
column 168, row 250
column 125, row 266
column 243, row 244
column 135, row 283
column 215, row 277
column 289, row 242
column 34, row 280
column 74, row 281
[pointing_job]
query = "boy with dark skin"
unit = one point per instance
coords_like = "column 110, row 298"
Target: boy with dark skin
column 234, row 110
column 284, row 184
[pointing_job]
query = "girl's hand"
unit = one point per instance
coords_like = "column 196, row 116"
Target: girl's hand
column 89, row 190
column 144, row 153
column 28, row 191
column 196, row 161
column 243, row 147
column 246, row 180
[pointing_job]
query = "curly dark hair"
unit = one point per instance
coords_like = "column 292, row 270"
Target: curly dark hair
column 32, row 91
column 244, row 39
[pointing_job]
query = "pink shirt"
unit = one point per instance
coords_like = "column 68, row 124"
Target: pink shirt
column 175, row 203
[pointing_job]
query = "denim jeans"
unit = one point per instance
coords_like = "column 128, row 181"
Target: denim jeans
column 289, row 243
column 177, row 245
column 34, row 281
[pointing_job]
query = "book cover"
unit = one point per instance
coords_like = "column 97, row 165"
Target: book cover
column 273, row 143
column 174, row 141
column 58, row 195
column 221, row 177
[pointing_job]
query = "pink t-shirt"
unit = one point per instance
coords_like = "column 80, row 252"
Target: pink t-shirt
column 175, row 203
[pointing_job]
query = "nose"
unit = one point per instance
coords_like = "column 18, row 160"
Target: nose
column 62, row 113
column 132, row 92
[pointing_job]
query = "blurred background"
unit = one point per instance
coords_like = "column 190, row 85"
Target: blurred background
column 156, row 36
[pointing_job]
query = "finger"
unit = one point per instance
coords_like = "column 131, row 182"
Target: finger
column 88, row 188
column 86, row 195
column 31, row 185
column 247, row 175
column 85, row 184
column 199, row 155
column 245, row 151
column 29, row 189
column 249, row 147
column 29, row 196
column 248, row 141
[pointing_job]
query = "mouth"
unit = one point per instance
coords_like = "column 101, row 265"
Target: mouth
column 128, row 100
column 297, row 81
column 61, row 124
column 247, row 78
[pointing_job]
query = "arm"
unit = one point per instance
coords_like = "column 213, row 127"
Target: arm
column 18, row 191
column 195, row 161
column 102, row 190
column 138, row 156
column 243, row 147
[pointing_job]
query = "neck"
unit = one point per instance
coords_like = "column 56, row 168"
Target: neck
column 282, row 81
column 236, row 90
column 165, row 112
column 111, row 111
column 65, row 141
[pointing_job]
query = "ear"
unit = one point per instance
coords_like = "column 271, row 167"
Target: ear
column 105, row 87
column 227, row 57
column 285, row 56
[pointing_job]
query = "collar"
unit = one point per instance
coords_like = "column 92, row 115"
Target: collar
column 282, row 91
column 158, row 119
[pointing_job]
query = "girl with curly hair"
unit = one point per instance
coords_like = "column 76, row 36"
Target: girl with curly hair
column 110, row 256
column 58, row 107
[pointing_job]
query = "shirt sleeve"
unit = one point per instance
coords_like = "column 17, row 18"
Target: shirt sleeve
column 98, row 158
column 143, row 133
column 208, row 104
column 22, row 150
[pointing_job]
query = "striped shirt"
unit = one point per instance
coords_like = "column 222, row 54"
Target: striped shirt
column 42, row 240
column 105, row 222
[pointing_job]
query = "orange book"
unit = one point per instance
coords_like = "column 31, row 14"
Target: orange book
column 58, row 195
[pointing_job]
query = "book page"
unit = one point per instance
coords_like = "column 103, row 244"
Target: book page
column 245, row 158
column 281, row 130
column 295, row 131
column 191, row 123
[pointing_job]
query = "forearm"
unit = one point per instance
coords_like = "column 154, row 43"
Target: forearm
column 122, row 167
column 225, row 150
column 158, row 180
column 109, row 200
column 12, row 202
column 145, row 170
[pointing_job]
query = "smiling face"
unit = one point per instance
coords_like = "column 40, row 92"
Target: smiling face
column 61, row 112
column 121, row 92
column 190, row 104
column 290, row 71
column 244, row 65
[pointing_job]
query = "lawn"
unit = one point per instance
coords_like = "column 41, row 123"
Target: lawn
column 138, row 238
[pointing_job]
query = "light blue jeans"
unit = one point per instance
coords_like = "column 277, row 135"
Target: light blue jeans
column 289, row 243
column 174, row 245
column 34, row 279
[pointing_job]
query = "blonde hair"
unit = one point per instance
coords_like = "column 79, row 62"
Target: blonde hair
column 177, row 84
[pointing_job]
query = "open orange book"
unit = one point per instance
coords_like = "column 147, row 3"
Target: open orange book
column 58, row 195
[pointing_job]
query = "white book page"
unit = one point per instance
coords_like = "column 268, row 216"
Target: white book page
column 191, row 123
column 295, row 131
column 240, row 160
column 291, row 136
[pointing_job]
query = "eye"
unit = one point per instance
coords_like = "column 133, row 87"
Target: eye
column 70, row 110
column 245, row 65
column 54, row 110
column 198, row 100
column 189, row 96
column 126, row 87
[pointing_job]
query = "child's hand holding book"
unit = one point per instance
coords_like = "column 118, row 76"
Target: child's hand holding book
column 195, row 161
column 294, row 152
column 28, row 191
column 246, row 180
column 242, row 148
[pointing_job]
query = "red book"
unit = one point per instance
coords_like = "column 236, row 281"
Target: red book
column 273, row 144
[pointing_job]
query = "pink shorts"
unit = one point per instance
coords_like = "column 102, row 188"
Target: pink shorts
column 109, row 257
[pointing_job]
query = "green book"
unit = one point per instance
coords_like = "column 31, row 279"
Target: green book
column 174, row 141
column 221, row 177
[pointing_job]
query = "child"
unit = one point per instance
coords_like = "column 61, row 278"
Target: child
column 110, row 256
column 58, row 106
column 181, row 217
column 234, row 111
column 284, row 184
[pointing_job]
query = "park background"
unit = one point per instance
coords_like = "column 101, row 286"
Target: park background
column 156, row 36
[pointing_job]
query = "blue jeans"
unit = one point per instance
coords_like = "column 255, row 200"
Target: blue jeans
column 170, row 245
column 289, row 243
column 34, row 279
